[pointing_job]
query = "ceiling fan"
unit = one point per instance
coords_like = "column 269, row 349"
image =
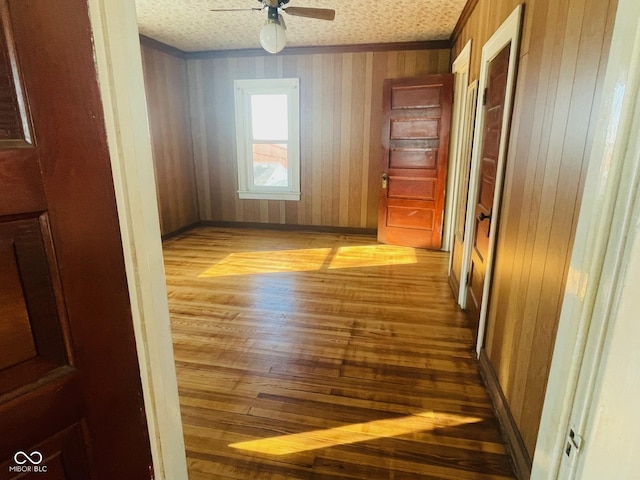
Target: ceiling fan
column 272, row 36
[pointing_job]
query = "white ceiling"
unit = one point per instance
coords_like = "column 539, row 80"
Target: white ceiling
column 190, row 25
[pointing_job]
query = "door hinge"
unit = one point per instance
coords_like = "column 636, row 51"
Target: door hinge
column 574, row 442
column 484, row 96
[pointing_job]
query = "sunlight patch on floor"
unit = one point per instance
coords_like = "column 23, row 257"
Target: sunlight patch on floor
column 252, row 263
column 373, row 256
column 359, row 432
column 311, row 259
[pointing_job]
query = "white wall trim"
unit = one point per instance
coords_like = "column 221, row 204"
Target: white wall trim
column 470, row 119
column 508, row 32
column 119, row 66
column 460, row 70
column 596, row 282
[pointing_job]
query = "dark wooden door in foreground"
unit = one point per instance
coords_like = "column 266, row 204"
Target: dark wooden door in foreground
column 415, row 138
column 70, row 395
column 483, row 205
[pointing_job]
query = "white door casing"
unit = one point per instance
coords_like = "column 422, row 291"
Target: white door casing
column 462, row 188
column 508, row 33
column 119, row 68
column 461, row 193
column 460, row 70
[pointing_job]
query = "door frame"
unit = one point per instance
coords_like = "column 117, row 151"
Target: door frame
column 119, row 70
column 470, row 118
column 508, row 32
column 460, row 70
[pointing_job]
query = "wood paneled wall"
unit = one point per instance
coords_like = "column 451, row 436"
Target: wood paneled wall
column 169, row 120
column 341, row 122
column 563, row 54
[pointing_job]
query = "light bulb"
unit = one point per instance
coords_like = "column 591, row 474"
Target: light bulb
column 272, row 37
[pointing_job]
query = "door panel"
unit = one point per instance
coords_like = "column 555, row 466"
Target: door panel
column 410, row 128
column 420, row 188
column 65, row 459
column 70, row 393
column 409, row 216
column 493, row 112
column 408, row 158
column 30, row 320
column 16, row 341
column 416, row 97
column 415, row 139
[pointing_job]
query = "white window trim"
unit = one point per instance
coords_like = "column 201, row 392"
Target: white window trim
column 243, row 90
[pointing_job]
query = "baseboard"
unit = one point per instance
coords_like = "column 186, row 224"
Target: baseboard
column 515, row 444
column 293, row 228
column 180, row 231
column 272, row 226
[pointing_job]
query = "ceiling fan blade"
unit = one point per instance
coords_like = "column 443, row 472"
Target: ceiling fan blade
column 319, row 13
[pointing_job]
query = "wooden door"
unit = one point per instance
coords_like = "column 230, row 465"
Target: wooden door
column 414, row 165
column 493, row 112
column 70, row 394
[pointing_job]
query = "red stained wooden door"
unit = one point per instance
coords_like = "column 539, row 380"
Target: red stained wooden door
column 414, row 166
column 70, row 394
column 483, row 207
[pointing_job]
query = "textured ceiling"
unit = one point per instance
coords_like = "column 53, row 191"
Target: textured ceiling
column 190, row 25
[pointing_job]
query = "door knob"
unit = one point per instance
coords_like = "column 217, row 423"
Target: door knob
column 385, row 180
column 482, row 216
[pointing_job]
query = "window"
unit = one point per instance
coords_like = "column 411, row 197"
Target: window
column 268, row 138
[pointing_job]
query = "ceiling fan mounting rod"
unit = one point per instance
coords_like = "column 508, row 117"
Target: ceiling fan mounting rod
column 272, row 13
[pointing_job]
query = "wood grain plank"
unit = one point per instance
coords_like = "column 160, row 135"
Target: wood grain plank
column 563, row 48
column 166, row 81
column 347, row 130
column 321, row 363
column 369, row 165
column 563, row 220
column 337, row 134
column 199, row 141
column 554, row 130
column 526, row 265
column 317, row 142
column 327, row 141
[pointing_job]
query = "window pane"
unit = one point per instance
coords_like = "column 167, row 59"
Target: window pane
column 269, row 117
column 270, row 165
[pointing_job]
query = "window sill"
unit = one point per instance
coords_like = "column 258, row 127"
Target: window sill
column 292, row 196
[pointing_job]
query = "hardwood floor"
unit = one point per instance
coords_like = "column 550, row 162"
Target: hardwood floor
column 319, row 356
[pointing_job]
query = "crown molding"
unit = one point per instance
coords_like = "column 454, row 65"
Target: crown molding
column 163, row 47
column 365, row 47
column 464, row 16
column 258, row 52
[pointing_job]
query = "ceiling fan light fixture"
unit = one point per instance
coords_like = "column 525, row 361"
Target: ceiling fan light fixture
column 272, row 36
